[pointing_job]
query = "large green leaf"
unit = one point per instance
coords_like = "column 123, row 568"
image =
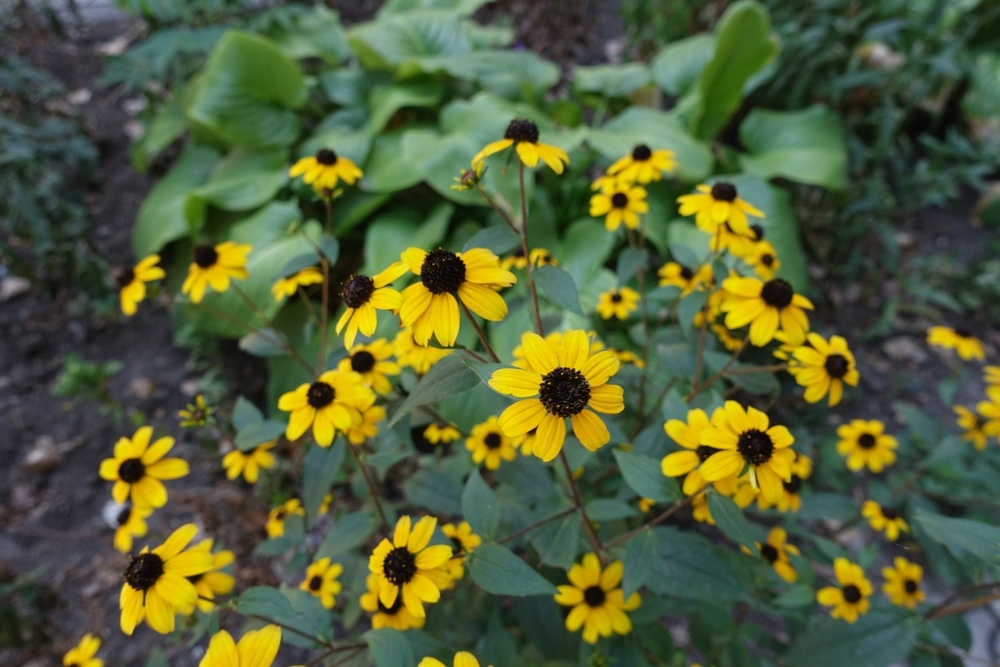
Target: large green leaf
column 387, row 169
column 497, row 570
column 688, row 568
column 466, row 7
column 243, row 180
column 509, row 74
column 804, row 146
column 961, row 535
column 247, row 92
column 480, row 506
column 611, row 80
column 389, row 648
column 315, row 32
column 743, row 46
column 394, row 39
column 448, row 377
column 879, row 638
column 677, row 66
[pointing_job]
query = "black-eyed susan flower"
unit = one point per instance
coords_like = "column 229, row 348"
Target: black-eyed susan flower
column 321, row 581
column 131, row 523
column 325, row 169
column 469, row 179
column 989, row 411
column 766, row 306
column 256, row 648
column 132, row 283
column 333, row 402
column 646, row 504
column 405, row 566
column 363, row 295
column 598, row 604
column 367, row 428
column 441, row 434
column 538, row 257
column 418, row 357
column 629, row 357
column 850, row 599
column 824, row 367
column 489, row 445
column 775, row 551
column 678, row 275
column 643, row 164
column 699, row 509
column 83, row 654
column 324, row 506
column 991, row 375
column 726, row 337
column 528, row 442
column 395, row 616
column 464, row 542
column 216, row 581
column 884, row 519
column 972, row 426
column 903, row 583
column 746, row 438
column 277, row 516
column 156, row 585
column 763, row 258
column 716, row 205
column 249, row 464
column 286, row 287
column 959, row 339
column 622, row 204
column 725, row 239
column 686, row 461
column 865, row 444
column 790, row 500
column 138, row 468
column 196, row 414
column 567, row 380
column 522, row 134
column 620, row 303
column 215, row 267
column 373, row 362
column 462, row 659
column 429, row 305
column 553, row 338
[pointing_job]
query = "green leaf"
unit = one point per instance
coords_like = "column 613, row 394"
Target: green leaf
column 558, row 543
column 497, row 570
column 310, row 615
column 243, row 180
column 480, row 506
column 799, row 595
column 509, row 74
column 247, row 92
column 609, row 509
column 688, row 568
column 678, row 65
column 500, row 239
column 389, row 648
column 630, row 260
column 762, row 383
column 245, row 413
column 729, row 518
column 313, row 33
column 743, row 46
column 640, row 552
column 168, row 124
column 803, row 146
column 642, row 474
column 387, row 169
column 879, row 638
column 296, row 264
column 157, row 659
column 396, row 230
column 434, row 491
column 448, row 377
column 611, row 80
column 291, row 607
column 560, row 288
column 960, row 535
column 258, row 433
column 318, row 472
column 831, row 506
column 348, row 532
column 262, row 343
column 398, row 38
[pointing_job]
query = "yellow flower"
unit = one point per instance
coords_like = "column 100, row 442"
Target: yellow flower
column 395, row 616
column 276, row 517
column 884, row 519
column 249, row 463
column 775, row 551
column 686, row 462
column 256, row 648
column 429, row 305
column 441, row 433
column 991, row 375
column 333, row 402
column 850, row 599
column 643, row 165
column 215, row 581
column 687, row 280
column 132, row 283
column 324, row 506
column 131, row 522
column 82, row 655
column 462, row 659
column 902, row 583
column 469, row 179
column 699, row 509
column 538, row 256
column 961, row 340
column 371, row 416
column 989, row 411
column 490, row 445
column 324, row 170
column 791, row 501
column 629, row 357
column 522, row 134
column 371, row 361
column 404, row 565
column 286, row 287
column 618, row 303
column 766, row 307
column 567, row 379
column 418, row 357
column 156, row 585
column 725, row 336
column 646, row 504
column 745, row 439
column 598, row 603
column 554, row 339
column 138, row 467
column 972, row 427
column 215, row 267
column 363, row 295
column 465, row 542
column 824, row 368
column 622, row 204
column 716, row 205
column 196, row 414
column 725, row 239
column 865, row 443
column 607, row 183
column 764, row 260
column 321, row 581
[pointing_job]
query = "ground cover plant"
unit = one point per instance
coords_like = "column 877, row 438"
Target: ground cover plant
column 531, row 366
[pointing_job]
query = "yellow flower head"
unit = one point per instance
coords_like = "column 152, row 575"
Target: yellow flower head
column 215, row 267
column 564, row 381
column 961, row 340
column 372, row 362
column 333, row 402
column 490, row 445
column 738, row 245
column 371, row 417
column 850, row 599
column 686, row 462
column 687, row 280
column 131, row 522
column 775, row 551
column 766, row 307
column 716, row 205
column 215, row 581
column 903, row 583
column 405, row 566
column 156, row 585
column 462, row 659
column 538, row 256
column 257, row 648
column 989, row 411
column 791, row 501
column 824, row 367
column 249, row 464
column 646, row 504
column 363, row 295
column 764, row 260
column 699, row 509
column 884, row 519
column 395, row 616
column 277, row 516
column 469, row 179
column 972, row 427
column 554, row 338
column 138, row 467
column 629, row 357
column 429, row 305
column 643, row 165
column 522, row 134
column 865, row 443
column 465, row 542
column 618, row 303
column 991, row 375
column 82, row 655
column 622, row 204
column 286, row 287
column 441, row 434
column 418, row 357
column 132, row 283
column 196, row 414
column 325, row 169
column 321, row 581
column 598, row 604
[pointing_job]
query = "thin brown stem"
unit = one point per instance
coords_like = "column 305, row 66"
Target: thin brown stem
column 944, row 609
column 527, row 252
column 538, row 524
column 357, row 646
column 309, row 306
column 644, row 310
column 479, row 332
column 318, row 640
column 371, row 486
column 347, row 658
column 324, row 316
column 500, row 211
column 701, row 386
column 660, row 518
column 578, row 504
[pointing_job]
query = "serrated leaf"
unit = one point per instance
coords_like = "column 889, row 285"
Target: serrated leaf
column 480, row 506
column 559, row 287
column 640, row 552
column 446, row 378
column 348, row 532
column 497, row 570
column 729, row 518
column 642, row 474
column 318, row 472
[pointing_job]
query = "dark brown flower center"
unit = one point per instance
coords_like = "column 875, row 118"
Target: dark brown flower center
column 866, row 441
column 890, row 513
column 769, row 553
column 205, row 256
column 686, row 273
column 723, row 191
column 777, row 293
column 316, row 583
column 641, row 153
column 704, row 452
column 362, row 361
column 756, row 447
column 793, row 485
column 399, row 566
column 852, row 594
column 564, row 392
column 442, row 271
column 616, row 297
column 911, row 586
column 357, row 291
column 326, row 157
column 493, row 440
column 758, row 232
column 457, row 548
column 143, row 571
column 131, row 471
column 767, row 259
column 320, row 395
column 619, row 200
column 124, row 514
column 594, row 596
column 521, row 129
column 281, row 513
column 836, row 366
column 963, row 332
column 124, row 277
